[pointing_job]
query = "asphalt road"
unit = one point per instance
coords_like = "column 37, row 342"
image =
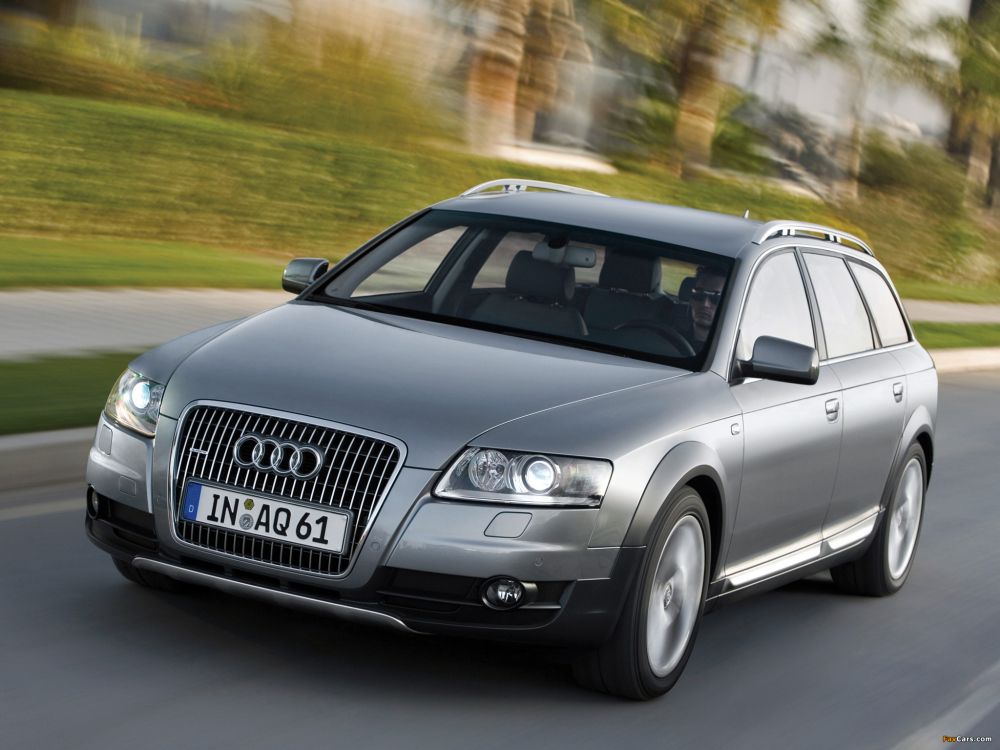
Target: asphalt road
column 88, row 660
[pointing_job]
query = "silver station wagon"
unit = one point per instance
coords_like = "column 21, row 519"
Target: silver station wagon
column 535, row 412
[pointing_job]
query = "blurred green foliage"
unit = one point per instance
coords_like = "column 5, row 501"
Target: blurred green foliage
column 325, row 82
column 52, row 261
column 923, row 171
column 126, row 162
column 736, row 145
column 83, row 168
column 72, row 389
column 957, row 335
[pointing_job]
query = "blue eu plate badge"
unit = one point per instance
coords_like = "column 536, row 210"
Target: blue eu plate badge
column 189, row 511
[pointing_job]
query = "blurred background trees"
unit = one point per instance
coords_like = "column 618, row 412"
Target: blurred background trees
column 785, row 106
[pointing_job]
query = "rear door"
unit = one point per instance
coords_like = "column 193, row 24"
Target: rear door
column 791, row 432
column 872, row 379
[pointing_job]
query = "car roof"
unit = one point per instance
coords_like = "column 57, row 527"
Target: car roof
column 708, row 231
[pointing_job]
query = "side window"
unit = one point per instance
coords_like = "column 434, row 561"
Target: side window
column 845, row 321
column 882, row 303
column 776, row 306
column 410, row 271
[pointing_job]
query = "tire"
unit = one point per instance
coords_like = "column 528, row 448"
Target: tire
column 146, row 578
column 886, row 564
column 635, row 663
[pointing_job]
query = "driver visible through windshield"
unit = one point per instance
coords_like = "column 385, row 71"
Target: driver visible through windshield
column 571, row 285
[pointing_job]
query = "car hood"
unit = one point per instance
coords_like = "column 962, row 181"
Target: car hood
column 432, row 385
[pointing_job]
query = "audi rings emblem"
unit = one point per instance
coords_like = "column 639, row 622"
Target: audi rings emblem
column 283, row 457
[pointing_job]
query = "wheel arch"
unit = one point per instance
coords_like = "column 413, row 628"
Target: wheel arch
column 690, row 463
column 927, row 443
column 919, row 429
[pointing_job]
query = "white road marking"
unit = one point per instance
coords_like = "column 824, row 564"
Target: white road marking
column 982, row 697
column 41, row 509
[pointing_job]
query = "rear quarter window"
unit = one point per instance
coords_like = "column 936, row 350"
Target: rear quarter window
column 841, row 310
column 882, row 302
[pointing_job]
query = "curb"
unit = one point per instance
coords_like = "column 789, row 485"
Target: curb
column 64, row 459
column 965, row 360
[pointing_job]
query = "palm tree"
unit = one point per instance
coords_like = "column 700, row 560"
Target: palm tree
column 973, row 91
column 689, row 38
column 513, row 64
column 876, row 50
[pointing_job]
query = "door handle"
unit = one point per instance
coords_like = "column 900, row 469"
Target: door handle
column 897, row 392
column 833, row 409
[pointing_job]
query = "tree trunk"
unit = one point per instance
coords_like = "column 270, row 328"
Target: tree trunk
column 846, row 188
column 699, row 92
column 539, row 74
column 757, row 55
column 993, row 183
column 61, row 12
column 965, row 141
column 494, row 71
column 977, row 172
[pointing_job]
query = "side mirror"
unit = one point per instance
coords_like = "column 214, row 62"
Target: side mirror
column 302, row 272
column 779, row 359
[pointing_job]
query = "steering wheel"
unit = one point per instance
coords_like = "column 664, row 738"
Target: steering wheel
column 681, row 344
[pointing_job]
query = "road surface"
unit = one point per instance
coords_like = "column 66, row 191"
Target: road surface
column 88, row 660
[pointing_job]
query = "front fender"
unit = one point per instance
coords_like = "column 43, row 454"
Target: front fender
column 686, row 463
column 160, row 363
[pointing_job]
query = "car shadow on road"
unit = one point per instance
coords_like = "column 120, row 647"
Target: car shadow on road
column 309, row 649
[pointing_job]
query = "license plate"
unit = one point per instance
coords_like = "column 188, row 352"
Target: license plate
column 265, row 517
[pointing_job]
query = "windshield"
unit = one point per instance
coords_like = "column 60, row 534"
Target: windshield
column 571, row 285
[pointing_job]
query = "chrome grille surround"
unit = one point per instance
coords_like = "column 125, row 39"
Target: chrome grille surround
column 360, row 468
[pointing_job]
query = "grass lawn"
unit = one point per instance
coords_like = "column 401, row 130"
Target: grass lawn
column 105, row 192
column 50, row 394
column 957, row 335
column 45, row 261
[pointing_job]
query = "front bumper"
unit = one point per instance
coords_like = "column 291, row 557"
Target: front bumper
column 421, row 569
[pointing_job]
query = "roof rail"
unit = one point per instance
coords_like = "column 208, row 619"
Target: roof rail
column 515, row 185
column 774, row 229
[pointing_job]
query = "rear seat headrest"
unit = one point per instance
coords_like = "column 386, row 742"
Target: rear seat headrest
column 639, row 274
column 528, row 277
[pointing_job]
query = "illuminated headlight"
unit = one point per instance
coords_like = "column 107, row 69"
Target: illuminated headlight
column 134, row 402
column 530, row 478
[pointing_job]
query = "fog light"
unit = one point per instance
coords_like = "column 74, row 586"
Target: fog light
column 93, row 504
column 503, row 593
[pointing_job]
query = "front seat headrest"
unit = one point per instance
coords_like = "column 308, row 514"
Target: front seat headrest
column 538, row 279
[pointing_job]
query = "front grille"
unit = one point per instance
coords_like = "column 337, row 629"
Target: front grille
column 357, row 470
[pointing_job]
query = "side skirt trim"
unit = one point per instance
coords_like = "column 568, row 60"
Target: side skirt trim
column 812, row 555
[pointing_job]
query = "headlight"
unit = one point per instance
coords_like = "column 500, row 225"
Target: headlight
column 530, row 478
column 134, row 402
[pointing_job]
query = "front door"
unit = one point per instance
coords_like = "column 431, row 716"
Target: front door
column 791, row 432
